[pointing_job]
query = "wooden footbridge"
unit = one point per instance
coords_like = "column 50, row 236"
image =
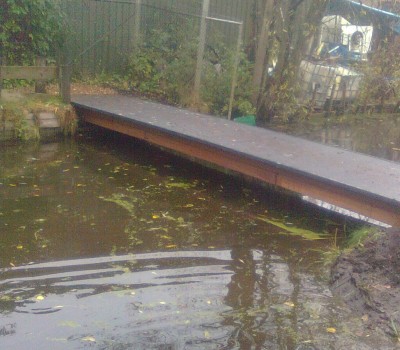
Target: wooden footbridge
column 365, row 185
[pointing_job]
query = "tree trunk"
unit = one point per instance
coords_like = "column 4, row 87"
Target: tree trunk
column 261, row 59
column 296, row 23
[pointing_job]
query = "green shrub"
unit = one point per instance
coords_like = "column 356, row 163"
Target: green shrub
column 163, row 67
column 29, row 28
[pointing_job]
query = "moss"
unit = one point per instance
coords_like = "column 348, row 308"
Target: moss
column 14, row 114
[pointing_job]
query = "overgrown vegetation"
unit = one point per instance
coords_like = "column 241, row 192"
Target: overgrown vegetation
column 163, row 67
column 381, row 76
column 29, row 28
column 355, row 238
column 14, row 114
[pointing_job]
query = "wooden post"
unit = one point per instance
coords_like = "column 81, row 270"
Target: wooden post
column 330, row 105
column 235, row 70
column 200, row 50
column 136, row 29
column 65, row 73
column 344, row 90
column 1, row 79
column 65, row 82
column 40, row 85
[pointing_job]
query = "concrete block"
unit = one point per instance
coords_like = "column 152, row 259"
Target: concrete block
column 48, row 120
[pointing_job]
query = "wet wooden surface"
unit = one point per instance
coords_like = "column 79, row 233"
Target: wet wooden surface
column 364, row 184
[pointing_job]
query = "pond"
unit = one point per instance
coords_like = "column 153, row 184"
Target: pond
column 377, row 134
column 113, row 244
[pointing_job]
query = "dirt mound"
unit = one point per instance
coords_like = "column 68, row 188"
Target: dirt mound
column 368, row 280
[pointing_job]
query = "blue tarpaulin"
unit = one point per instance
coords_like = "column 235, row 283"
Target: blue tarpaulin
column 358, row 13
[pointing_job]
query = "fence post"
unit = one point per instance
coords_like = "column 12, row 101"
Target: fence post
column 235, row 70
column 136, row 29
column 65, row 72
column 1, row 79
column 40, row 85
column 200, row 50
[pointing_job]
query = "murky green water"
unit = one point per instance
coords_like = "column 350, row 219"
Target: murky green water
column 376, row 135
column 114, row 245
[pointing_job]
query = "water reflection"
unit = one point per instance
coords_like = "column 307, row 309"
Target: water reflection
column 377, row 135
column 124, row 247
column 186, row 300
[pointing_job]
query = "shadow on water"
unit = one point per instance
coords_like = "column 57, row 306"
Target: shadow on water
column 112, row 244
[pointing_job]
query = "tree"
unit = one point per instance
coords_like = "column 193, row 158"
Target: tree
column 29, row 28
column 287, row 34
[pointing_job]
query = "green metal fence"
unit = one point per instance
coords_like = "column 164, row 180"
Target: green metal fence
column 103, row 33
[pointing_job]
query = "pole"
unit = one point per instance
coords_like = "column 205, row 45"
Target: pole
column 65, row 73
column 136, row 29
column 235, row 70
column 40, row 85
column 200, row 50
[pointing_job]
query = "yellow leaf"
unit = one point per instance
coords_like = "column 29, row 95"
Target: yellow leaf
column 188, row 206
column 289, row 303
column 170, row 246
column 163, row 302
column 155, row 216
column 13, row 185
column 207, row 334
column 20, row 246
column 89, row 339
column 165, row 237
column 331, row 330
column 40, row 297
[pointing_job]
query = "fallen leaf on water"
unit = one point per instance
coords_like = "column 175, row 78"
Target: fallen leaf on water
column 165, row 237
column 163, row 303
column 331, row 330
column 71, row 324
column 155, row 217
column 39, row 297
column 89, row 339
column 207, row 334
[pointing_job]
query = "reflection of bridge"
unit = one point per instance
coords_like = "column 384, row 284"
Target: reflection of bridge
column 360, row 183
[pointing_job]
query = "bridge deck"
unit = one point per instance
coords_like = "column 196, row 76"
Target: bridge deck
column 361, row 183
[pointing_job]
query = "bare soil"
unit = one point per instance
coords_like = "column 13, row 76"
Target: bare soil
column 368, row 280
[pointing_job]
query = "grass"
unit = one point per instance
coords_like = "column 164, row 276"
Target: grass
column 356, row 238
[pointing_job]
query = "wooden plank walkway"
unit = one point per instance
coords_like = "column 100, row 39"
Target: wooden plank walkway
column 360, row 183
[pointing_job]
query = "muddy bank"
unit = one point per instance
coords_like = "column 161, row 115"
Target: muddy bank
column 368, row 280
